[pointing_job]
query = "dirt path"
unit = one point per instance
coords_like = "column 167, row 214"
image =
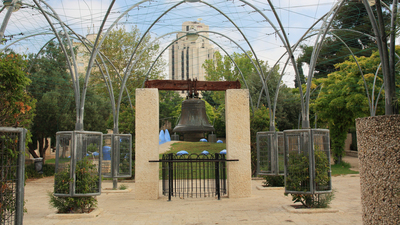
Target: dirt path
column 165, row 147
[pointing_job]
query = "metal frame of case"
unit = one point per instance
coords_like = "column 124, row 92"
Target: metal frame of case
column 298, row 144
column 117, row 157
column 77, row 142
column 270, row 154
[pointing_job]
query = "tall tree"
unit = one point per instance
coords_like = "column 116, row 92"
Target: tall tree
column 222, row 68
column 349, row 24
column 343, row 99
column 16, row 106
column 117, row 48
column 56, row 109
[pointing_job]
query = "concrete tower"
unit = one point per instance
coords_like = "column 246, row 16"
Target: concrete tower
column 186, row 57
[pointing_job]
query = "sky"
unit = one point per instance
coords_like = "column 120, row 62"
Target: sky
column 86, row 16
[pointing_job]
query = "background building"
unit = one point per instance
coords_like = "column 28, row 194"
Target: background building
column 187, row 57
column 82, row 54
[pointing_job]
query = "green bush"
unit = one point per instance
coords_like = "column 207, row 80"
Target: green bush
column 86, row 180
column 8, row 160
column 298, row 179
column 48, row 171
column 274, row 181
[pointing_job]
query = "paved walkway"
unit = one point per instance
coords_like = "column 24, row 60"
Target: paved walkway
column 263, row 207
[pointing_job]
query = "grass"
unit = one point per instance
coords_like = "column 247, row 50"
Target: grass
column 196, row 147
column 61, row 160
column 342, row 168
column 196, row 168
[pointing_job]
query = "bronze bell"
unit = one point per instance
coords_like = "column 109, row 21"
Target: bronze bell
column 193, row 117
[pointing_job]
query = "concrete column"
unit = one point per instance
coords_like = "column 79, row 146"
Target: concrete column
column 378, row 140
column 146, row 143
column 237, row 115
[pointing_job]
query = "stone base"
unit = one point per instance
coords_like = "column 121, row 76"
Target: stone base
column 92, row 214
column 378, row 140
column 262, row 188
column 292, row 209
column 193, row 137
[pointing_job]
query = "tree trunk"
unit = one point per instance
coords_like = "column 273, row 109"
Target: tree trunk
column 32, row 146
column 42, row 149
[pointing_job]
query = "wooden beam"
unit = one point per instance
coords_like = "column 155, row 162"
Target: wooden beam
column 182, row 85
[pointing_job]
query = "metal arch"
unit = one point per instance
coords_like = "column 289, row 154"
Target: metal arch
column 314, row 55
column 6, row 18
column 244, row 36
column 21, row 39
column 359, row 67
column 261, row 78
column 79, row 125
column 79, row 37
column 37, row 54
column 129, row 68
column 108, row 60
column 113, row 24
column 386, row 68
column 55, row 15
column 285, row 42
column 76, row 88
column 303, row 37
column 244, row 80
column 210, row 40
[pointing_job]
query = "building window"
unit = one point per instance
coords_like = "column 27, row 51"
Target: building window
column 173, row 63
column 183, row 65
column 187, row 63
column 187, row 28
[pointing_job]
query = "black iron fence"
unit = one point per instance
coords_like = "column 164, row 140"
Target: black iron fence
column 194, row 175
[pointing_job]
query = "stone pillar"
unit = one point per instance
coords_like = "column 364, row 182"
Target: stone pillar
column 146, row 143
column 237, row 120
column 378, row 140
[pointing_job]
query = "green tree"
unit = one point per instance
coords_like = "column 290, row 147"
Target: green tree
column 16, row 106
column 351, row 19
column 258, row 122
column 170, row 103
column 118, row 47
column 343, row 99
column 56, row 111
column 288, row 104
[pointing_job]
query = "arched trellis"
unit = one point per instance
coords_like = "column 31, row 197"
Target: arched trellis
column 188, row 33
column 281, row 33
column 284, row 40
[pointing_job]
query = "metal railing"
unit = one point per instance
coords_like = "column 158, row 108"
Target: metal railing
column 193, row 175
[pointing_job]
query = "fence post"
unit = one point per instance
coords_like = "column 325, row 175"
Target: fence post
column 170, row 176
column 21, row 178
column 217, row 176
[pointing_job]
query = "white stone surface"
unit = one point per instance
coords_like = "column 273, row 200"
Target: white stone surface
column 237, row 116
column 146, row 143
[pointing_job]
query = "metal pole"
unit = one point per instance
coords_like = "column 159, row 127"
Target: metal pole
column 113, row 161
column 6, row 19
column 170, row 176
column 217, row 176
column 21, row 179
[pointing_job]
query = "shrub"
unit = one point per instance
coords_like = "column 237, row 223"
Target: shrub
column 86, row 179
column 48, row 171
column 298, row 179
column 274, row 181
column 8, row 160
column 123, row 187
